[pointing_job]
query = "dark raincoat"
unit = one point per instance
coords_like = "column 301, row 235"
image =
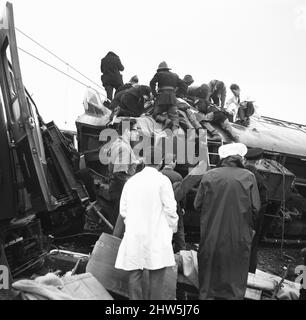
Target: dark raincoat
column 111, row 67
column 132, row 101
column 171, row 81
column 229, row 201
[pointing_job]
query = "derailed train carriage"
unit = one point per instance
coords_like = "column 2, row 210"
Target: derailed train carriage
column 283, row 164
column 43, row 190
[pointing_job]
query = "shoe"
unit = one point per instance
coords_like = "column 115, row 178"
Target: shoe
column 106, row 103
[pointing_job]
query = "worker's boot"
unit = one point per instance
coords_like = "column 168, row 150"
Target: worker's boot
column 215, row 136
column 193, row 120
column 226, row 126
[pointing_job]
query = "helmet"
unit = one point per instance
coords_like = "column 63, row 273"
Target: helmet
column 163, row 66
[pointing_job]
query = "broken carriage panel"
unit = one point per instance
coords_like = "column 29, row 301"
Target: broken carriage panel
column 38, row 165
column 24, row 132
column 41, row 154
column 8, row 193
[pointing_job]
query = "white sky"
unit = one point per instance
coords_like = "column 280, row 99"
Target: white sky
column 258, row 44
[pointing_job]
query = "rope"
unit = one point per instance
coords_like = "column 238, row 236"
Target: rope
column 57, row 57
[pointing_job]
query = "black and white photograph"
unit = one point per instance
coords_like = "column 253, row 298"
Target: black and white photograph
column 153, row 150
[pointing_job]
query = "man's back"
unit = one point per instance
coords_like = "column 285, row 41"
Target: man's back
column 166, row 79
column 148, row 206
column 172, row 175
column 227, row 195
column 147, row 197
column 111, row 64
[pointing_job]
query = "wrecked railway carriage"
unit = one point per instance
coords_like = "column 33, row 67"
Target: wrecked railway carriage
column 43, row 191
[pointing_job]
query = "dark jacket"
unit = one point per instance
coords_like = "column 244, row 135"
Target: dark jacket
column 228, row 199
column 132, row 101
column 111, row 67
column 124, row 87
column 164, row 79
column 175, row 177
column 117, row 99
column 201, row 91
column 217, row 92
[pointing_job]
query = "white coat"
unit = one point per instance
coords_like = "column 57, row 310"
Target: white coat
column 148, row 208
column 232, row 106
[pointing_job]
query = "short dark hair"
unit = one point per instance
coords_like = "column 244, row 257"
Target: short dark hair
column 234, row 87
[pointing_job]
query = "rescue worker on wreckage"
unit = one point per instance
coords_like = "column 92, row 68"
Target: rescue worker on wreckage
column 182, row 91
column 130, row 102
column 228, row 201
column 208, row 113
column 166, row 101
column 132, row 83
column 240, row 109
column 187, row 118
column 217, row 92
column 133, row 100
column 111, row 77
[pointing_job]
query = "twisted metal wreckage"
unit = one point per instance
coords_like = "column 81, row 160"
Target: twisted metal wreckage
column 46, row 197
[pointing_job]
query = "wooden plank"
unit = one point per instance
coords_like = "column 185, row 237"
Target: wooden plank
column 252, row 294
column 85, row 287
column 102, row 266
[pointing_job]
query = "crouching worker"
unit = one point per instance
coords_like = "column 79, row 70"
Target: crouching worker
column 246, row 109
column 167, row 83
column 149, row 213
column 131, row 84
column 132, row 101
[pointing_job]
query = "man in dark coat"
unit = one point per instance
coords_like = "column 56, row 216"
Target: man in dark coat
column 253, row 155
column 167, row 83
column 228, row 201
column 168, row 170
column 111, row 77
column 217, row 92
column 132, row 101
column 117, row 99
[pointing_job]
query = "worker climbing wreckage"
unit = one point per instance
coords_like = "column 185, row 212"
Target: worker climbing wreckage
column 168, row 194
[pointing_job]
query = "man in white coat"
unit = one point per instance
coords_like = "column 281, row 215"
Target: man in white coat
column 148, row 208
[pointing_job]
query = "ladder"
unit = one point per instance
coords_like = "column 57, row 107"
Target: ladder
column 213, row 156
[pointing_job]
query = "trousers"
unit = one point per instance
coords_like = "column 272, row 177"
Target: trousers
column 172, row 113
column 155, row 285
